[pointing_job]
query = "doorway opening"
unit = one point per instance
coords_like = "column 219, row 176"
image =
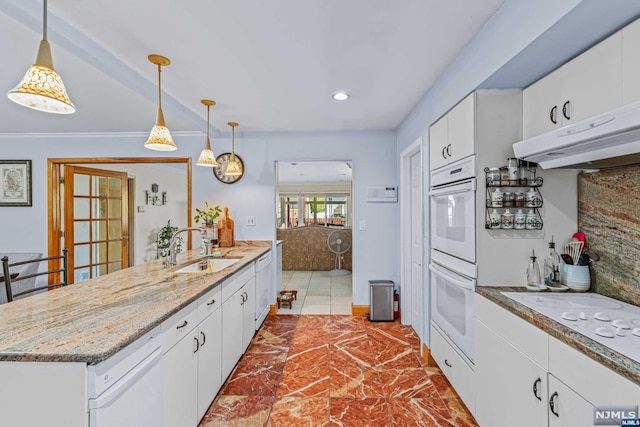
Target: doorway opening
column 313, row 221
column 107, row 212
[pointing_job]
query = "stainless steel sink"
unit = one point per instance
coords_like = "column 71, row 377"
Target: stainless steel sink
column 208, row 265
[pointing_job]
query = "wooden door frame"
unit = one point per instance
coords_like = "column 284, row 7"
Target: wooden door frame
column 55, row 214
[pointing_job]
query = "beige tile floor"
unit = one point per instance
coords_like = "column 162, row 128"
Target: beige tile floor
column 318, row 293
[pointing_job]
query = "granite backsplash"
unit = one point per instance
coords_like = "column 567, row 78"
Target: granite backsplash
column 609, row 215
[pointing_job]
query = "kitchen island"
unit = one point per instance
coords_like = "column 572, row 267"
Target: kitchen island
column 49, row 342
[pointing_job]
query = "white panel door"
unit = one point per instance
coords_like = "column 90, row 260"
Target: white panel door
column 438, row 141
column 631, row 63
column 248, row 313
column 416, row 244
column 209, row 360
column 180, row 383
column 566, row 407
column 461, row 129
column 540, row 105
column 231, row 332
column 512, row 388
column 592, row 82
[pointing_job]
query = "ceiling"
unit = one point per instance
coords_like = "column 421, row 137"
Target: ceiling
column 270, row 65
column 320, row 172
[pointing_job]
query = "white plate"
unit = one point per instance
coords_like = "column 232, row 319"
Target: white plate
column 536, row 288
column 560, row 288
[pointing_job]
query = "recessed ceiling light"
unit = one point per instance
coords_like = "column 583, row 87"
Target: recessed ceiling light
column 340, row 96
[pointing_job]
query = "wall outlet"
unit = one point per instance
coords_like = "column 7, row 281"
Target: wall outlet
column 251, row 221
column 363, row 225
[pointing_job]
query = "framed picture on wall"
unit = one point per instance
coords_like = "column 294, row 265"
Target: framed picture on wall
column 15, row 182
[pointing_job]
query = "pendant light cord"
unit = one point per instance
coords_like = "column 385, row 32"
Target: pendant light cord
column 208, row 109
column 44, row 21
column 159, row 87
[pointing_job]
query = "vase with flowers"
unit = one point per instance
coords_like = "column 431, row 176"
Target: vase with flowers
column 207, row 216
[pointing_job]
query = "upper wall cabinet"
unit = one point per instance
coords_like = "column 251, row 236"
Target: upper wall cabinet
column 631, row 63
column 586, row 86
column 452, row 137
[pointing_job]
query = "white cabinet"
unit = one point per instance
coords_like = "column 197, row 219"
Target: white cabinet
column 452, row 136
column 631, row 63
column 459, row 374
column 209, row 360
column 238, row 317
column 180, row 368
column 248, row 313
column 586, row 86
column 566, row 407
column 525, row 377
column 513, row 387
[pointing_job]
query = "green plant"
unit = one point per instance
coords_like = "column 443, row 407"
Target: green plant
column 164, row 239
column 208, row 215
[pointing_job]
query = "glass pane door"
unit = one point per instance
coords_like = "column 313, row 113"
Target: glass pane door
column 96, row 221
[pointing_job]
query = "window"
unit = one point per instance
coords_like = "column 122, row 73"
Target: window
column 312, row 209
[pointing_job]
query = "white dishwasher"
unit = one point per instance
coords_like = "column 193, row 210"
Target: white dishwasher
column 263, row 288
column 126, row 389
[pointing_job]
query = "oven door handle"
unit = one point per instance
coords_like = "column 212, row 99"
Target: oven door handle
column 469, row 285
column 459, row 187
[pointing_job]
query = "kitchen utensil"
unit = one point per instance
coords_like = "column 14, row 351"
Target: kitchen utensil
column 584, row 259
column 579, row 236
column 593, row 257
column 577, row 277
column 574, row 248
column 567, row 259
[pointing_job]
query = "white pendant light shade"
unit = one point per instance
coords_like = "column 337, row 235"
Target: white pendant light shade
column 233, row 167
column 41, row 88
column 160, row 138
column 207, row 158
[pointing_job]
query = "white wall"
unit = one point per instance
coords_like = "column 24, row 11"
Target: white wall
column 170, row 178
column 372, row 153
column 255, row 194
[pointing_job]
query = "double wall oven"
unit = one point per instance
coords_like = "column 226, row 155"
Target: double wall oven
column 453, row 254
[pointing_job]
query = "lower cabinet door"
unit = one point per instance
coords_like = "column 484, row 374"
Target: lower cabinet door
column 248, row 313
column 180, row 383
column 566, row 407
column 511, row 389
column 209, row 360
column 232, row 316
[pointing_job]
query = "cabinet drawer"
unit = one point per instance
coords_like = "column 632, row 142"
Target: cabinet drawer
column 593, row 381
column 235, row 282
column 458, row 373
column 521, row 334
column 179, row 325
column 209, row 302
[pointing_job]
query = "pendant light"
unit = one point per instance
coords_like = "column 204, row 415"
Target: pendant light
column 160, row 137
column 207, row 158
column 233, row 167
column 41, row 88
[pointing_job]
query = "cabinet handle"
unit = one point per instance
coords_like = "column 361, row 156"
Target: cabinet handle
column 246, row 297
column 449, row 150
column 185, row 323
column 552, row 404
column 553, row 115
column 211, row 302
column 444, row 150
column 242, row 295
column 446, row 362
column 535, row 388
column 197, row 344
column 204, row 339
column 565, row 110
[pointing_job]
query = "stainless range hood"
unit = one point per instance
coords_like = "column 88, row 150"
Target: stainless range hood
column 608, row 140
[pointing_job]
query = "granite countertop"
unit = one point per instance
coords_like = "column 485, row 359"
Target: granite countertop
column 615, row 361
column 90, row 321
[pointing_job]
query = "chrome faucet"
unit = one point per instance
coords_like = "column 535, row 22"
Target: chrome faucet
column 171, row 260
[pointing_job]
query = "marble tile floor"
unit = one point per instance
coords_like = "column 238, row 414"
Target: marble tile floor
column 335, row 370
column 318, row 293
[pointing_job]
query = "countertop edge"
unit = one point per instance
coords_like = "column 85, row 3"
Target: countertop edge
column 613, row 360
